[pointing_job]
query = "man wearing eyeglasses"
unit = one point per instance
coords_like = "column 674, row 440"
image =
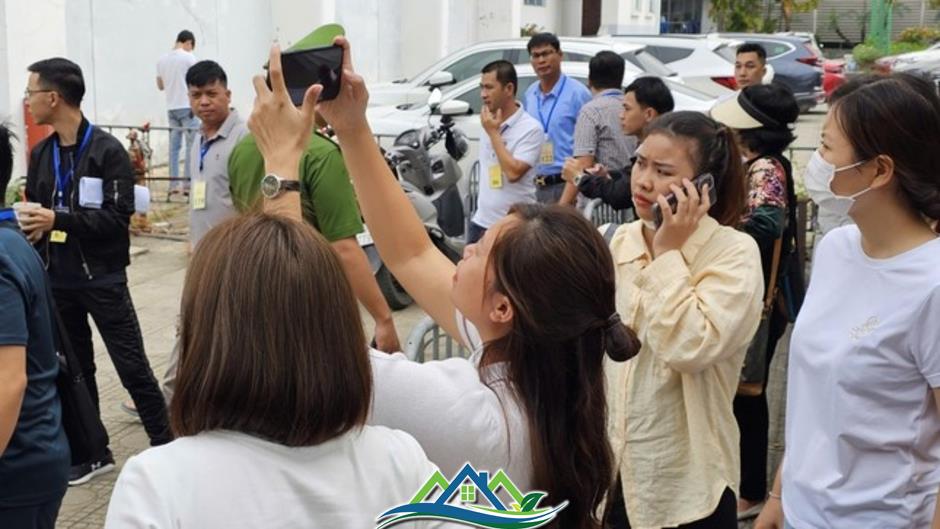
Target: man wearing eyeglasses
column 83, row 181
column 555, row 102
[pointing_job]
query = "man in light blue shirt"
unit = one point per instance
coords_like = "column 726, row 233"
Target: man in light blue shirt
column 555, row 102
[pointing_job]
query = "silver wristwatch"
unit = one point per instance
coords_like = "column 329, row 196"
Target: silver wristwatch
column 272, row 186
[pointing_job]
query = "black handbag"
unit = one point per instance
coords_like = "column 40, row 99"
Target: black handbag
column 81, row 419
column 755, row 362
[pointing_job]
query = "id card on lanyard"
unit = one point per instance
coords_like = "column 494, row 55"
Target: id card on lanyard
column 63, row 180
column 547, row 156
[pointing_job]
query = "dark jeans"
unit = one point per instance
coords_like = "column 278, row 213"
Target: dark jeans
column 32, row 517
column 474, row 232
column 753, row 419
column 549, row 194
column 113, row 311
column 724, row 517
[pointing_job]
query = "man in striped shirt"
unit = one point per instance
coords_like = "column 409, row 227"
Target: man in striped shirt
column 598, row 137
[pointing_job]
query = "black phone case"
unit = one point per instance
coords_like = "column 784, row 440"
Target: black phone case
column 699, row 181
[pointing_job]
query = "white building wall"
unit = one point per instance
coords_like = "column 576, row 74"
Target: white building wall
column 118, row 42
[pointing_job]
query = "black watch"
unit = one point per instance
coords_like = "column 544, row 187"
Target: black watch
column 272, row 186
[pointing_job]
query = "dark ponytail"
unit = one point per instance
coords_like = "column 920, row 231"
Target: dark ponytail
column 714, row 151
column 557, row 271
column 906, row 110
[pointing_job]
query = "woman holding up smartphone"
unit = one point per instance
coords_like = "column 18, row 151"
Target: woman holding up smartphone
column 692, row 287
column 534, row 300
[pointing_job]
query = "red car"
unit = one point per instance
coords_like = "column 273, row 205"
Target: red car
column 833, row 75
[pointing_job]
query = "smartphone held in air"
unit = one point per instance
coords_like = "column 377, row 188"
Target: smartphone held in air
column 305, row 68
column 699, row 182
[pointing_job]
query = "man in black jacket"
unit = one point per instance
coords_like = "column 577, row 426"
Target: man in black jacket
column 82, row 177
column 644, row 100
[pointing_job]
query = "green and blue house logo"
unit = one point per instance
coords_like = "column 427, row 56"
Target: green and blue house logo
column 469, row 488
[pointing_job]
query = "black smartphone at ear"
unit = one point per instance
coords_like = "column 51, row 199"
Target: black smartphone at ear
column 699, row 182
column 305, row 68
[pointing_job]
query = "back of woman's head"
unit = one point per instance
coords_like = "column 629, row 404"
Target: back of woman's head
column 898, row 117
column 271, row 338
column 558, row 273
column 777, row 104
column 711, row 147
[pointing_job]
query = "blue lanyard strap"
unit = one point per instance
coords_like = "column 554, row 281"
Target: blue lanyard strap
column 7, row 214
column 204, row 150
column 62, row 179
column 546, row 122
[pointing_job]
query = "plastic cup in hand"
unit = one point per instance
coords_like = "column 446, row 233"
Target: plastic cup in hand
column 20, row 207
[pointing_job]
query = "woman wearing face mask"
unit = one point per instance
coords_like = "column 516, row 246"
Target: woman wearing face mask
column 534, row 300
column 863, row 432
column 692, row 287
column 761, row 116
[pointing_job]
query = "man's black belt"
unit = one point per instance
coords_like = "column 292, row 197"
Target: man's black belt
column 545, row 180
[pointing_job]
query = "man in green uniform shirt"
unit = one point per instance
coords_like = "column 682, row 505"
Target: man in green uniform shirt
column 329, row 205
column 328, row 201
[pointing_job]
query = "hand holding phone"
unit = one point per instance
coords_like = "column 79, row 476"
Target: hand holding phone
column 699, row 182
column 305, row 68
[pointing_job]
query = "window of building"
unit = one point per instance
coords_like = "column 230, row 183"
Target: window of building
column 538, row 3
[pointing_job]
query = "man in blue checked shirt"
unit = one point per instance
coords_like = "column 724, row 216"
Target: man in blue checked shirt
column 555, row 102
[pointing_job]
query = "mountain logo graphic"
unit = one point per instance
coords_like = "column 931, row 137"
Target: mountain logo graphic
column 522, row 513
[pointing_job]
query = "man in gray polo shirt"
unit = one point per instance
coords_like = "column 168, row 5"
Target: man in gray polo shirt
column 598, row 137
column 210, row 200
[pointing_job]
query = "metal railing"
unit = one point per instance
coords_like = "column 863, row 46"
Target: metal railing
column 428, row 342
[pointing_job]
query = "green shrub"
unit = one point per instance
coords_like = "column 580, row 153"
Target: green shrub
column 866, row 54
column 898, row 48
column 923, row 35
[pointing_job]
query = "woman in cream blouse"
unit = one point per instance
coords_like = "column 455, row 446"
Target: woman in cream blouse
column 692, row 288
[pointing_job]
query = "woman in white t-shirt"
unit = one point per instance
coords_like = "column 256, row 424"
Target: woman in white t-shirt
column 535, row 301
column 273, row 391
column 863, row 430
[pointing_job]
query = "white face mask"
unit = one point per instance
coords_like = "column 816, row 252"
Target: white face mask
column 470, row 335
column 818, row 179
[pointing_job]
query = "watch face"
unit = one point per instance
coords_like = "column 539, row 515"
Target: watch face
column 270, row 186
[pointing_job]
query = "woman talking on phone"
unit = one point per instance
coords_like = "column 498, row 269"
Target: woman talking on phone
column 534, row 300
column 691, row 284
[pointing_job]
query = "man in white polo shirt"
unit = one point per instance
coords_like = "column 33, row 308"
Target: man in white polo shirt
column 509, row 151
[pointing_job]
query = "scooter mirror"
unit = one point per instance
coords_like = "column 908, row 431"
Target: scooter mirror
column 441, row 79
column 434, row 99
column 454, row 107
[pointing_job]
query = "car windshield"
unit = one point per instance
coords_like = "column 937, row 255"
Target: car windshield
column 647, row 63
column 726, row 52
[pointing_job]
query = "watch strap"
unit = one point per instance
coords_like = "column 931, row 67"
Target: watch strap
column 290, row 185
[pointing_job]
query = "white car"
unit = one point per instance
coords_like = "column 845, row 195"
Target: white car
column 467, row 63
column 705, row 62
column 389, row 121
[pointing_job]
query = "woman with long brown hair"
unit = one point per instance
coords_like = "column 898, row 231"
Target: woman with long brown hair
column 534, row 300
column 273, row 391
column 691, row 283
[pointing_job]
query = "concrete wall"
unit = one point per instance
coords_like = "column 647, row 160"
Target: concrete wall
column 118, row 42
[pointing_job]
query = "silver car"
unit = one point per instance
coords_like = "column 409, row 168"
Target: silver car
column 467, row 63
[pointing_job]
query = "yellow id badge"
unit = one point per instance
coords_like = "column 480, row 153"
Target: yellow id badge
column 496, row 177
column 58, row 236
column 548, row 153
column 199, row 194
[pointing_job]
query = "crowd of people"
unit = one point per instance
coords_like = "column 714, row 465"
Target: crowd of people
column 622, row 372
